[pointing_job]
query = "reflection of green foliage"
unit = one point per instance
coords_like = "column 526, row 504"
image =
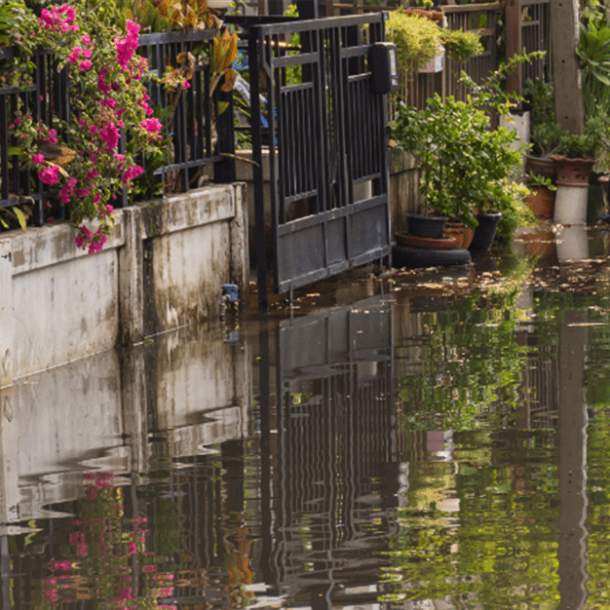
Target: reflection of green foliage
column 470, row 361
column 500, row 549
column 167, row 530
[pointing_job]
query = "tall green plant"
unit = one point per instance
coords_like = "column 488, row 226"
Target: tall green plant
column 593, row 52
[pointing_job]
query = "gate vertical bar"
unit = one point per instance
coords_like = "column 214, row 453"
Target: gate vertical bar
column 257, row 170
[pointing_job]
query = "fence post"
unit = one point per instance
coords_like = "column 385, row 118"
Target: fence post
column 308, row 9
column 514, row 44
column 224, row 171
column 566, row 73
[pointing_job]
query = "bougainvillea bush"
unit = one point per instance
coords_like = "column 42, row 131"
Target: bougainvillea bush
column 81, row 156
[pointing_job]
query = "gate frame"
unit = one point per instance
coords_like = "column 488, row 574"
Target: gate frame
column 351, row 52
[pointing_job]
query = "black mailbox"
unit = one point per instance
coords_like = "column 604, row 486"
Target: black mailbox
column 383, row 64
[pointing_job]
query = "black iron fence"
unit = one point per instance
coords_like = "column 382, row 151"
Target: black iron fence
column 197, row 133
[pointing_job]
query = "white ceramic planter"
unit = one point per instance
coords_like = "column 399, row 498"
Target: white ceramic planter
column 435, row 65
column 571, row 205
column 219, row 5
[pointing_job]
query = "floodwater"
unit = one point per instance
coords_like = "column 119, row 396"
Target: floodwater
column 422, row 440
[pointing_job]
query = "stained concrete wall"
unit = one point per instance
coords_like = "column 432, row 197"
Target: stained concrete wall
column 116, row 412
column 162, row 268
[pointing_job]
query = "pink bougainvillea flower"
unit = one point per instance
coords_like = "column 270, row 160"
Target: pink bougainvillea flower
column 83, row 192
column 152, row 125
column 85, row 39
column 125, row 47
column 50, row 220
column 85, row 65
column 131, row 173
column 92, row 174
column 110, row 135
column 76, row 53
column 49, row 175
column 37, row 159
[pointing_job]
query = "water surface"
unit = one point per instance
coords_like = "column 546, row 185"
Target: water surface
column 431, row 441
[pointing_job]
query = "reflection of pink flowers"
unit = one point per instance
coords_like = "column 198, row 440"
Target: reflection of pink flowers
column 63, row 565
column 150, row 568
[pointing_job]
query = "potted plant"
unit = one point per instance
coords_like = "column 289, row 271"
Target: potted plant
column 545, row 131
column 419, row 37
column 541, row 198
column 467, row 169
column 575, row 156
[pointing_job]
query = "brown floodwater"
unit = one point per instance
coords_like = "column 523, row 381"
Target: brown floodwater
column 431, row 440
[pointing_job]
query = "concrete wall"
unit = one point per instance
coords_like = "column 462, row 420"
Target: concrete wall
column 162, row 268
column 174, row 397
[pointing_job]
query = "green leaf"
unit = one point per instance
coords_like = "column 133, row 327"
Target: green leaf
column 20, row 217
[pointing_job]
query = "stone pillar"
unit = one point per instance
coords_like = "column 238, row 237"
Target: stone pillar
column 6, row 314
column 131, row 281
column 240, row 253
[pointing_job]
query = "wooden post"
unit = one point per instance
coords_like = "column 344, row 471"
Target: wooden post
column 514, row 44
column 566, row 72
column 308, row 9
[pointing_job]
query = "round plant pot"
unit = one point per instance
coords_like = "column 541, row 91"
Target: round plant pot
column 541, row 201
column 427, row 243
column 485, row 233
column 219, row 5
column 426, row 226
column 572, row 172
column 541, row 166
column 461, row 234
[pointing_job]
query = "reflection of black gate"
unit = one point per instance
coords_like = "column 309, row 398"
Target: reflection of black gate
column 327, row 150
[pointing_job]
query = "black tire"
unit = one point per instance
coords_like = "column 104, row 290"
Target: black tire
column 418, row 258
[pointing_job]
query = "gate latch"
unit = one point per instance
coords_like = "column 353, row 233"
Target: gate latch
column 383, row 65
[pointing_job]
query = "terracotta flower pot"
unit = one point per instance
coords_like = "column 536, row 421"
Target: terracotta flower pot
column 541, row 201
column 461, row 234
column 573, row 172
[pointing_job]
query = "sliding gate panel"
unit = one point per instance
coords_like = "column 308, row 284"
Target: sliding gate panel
column 329, row 179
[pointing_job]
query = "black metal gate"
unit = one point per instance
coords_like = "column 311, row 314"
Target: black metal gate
column 326, row 141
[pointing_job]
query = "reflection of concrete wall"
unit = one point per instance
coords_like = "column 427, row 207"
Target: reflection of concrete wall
column 95, row 414
column 163, row 267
